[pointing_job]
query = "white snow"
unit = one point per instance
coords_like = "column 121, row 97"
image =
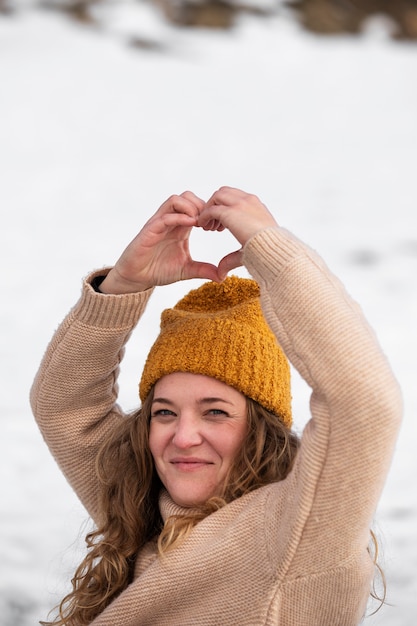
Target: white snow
column 95, row 134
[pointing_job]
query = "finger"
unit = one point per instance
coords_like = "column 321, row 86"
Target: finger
column 210, row 218
column 191, row 197
column 172, row 220
column 213, row 225
column 200, row 269
column 181, row 204
column 230, row 262
column 217, row 226
column 226, row 195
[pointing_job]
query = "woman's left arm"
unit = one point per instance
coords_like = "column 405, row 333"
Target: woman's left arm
column 356, row 403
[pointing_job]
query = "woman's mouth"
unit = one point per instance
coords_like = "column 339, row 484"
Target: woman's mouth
column 189, row 464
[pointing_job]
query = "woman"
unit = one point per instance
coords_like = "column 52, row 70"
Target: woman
column 208, row 510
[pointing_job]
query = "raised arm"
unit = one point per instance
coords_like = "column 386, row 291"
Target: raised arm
column 74, row 394
column 356, row 404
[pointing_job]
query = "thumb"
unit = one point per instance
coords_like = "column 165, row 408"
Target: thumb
column 229, row 262
column 199, row 269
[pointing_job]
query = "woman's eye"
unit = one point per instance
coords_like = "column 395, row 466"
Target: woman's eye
column 217, row 412
column 162, row 413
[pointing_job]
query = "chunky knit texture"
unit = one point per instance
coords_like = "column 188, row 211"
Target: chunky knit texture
column 292, row 553
column 219, row 330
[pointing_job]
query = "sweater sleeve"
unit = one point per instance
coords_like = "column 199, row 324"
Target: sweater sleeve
column 356, row 407
column 74, row 394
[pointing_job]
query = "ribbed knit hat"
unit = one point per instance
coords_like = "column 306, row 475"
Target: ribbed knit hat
column 219, row 330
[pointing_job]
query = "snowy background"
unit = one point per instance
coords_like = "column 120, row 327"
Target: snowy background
column 95, row 134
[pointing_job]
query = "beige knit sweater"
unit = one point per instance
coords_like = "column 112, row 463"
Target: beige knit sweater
column 293, row 553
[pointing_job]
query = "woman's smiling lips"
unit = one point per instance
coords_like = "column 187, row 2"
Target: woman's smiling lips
column 189, row 463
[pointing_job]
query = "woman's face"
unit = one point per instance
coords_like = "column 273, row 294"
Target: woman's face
column 197, row 426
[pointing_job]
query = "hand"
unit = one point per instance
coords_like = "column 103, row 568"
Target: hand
column 159, row 254
column 241, row 213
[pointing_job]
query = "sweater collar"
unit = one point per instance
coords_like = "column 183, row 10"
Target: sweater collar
column 168, row 507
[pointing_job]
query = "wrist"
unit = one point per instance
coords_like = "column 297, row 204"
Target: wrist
column 114, row 284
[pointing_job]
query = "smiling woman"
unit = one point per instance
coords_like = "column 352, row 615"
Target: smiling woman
column 208, row 509
column 198, row 425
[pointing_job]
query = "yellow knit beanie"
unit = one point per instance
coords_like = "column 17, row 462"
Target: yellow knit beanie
column 219, row 330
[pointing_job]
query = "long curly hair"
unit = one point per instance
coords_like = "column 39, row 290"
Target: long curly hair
column 129, row 514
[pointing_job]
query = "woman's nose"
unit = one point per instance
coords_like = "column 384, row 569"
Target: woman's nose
column 187, row 433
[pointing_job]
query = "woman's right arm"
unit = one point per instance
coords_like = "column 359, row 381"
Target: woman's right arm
column 74, row 395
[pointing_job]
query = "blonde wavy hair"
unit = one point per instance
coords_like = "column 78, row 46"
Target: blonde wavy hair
column 129, row 514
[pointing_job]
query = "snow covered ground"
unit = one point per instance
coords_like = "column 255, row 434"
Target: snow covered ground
column 95, row 134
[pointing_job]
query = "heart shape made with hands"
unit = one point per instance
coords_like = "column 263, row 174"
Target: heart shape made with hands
column 161, row 253
column 202, row 246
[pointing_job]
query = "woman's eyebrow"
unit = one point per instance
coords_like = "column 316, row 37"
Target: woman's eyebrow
column 162, row 401
column 213, row 399
column 201, row 401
